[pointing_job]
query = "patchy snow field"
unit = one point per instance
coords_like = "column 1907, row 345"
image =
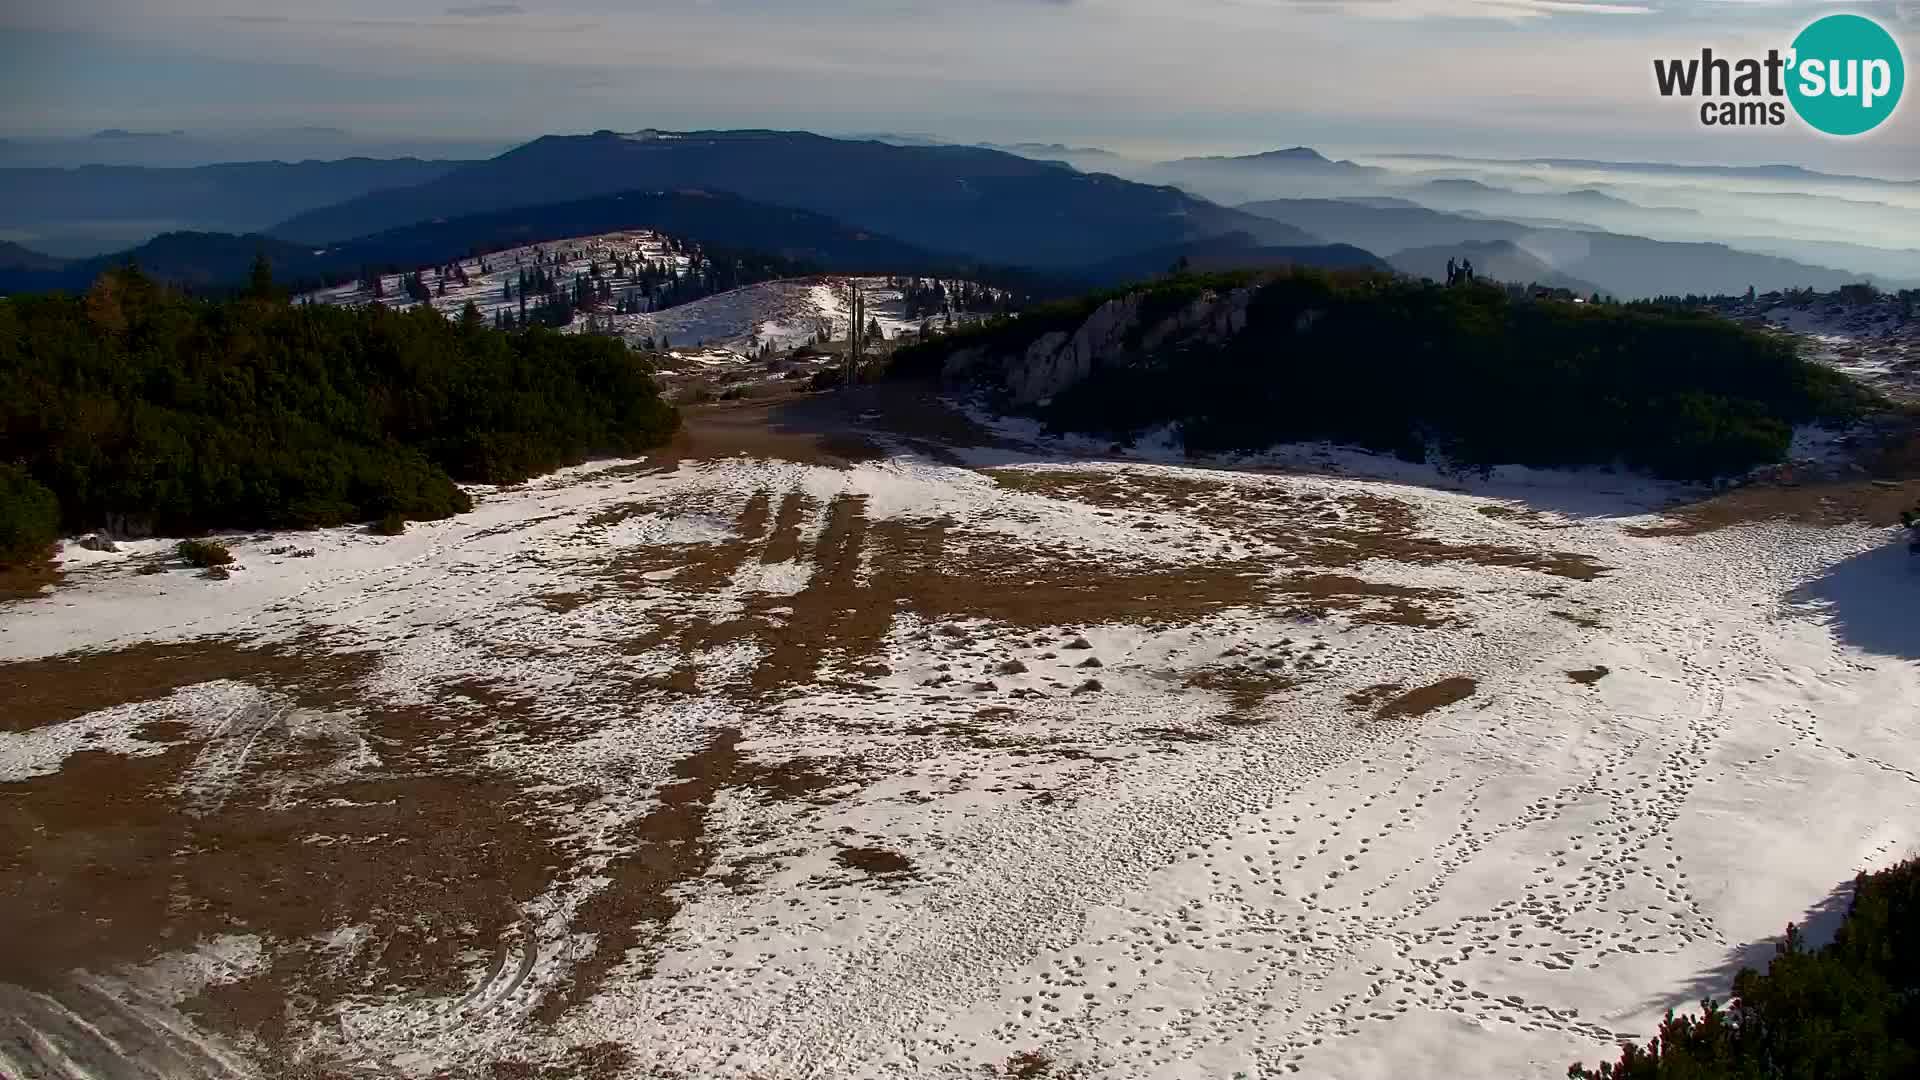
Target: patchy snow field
column 488, row 291
column 783, row 314
column 1870, row 342
column 990, row 761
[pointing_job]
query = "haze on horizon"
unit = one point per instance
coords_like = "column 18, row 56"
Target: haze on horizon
column 1479, row 77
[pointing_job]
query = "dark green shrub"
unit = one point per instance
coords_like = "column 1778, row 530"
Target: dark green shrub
column 136, row 401
column 203, row 553
column 390, row 525
column 1847, row 1011
column 29, row 517
column 1395, row 365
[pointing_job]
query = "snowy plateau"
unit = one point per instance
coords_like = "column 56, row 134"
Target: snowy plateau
column 898, row 740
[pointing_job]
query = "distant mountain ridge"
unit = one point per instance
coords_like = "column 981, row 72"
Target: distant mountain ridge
column 1621, row 265
column 980, row 203
column 716, row 221
column 187, row 149
column 239, row 196
column 1756, row 172
column 1229, row 252
column 1291, row 157
column 15, row 257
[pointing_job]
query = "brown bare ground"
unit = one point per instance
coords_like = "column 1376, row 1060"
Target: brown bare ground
column 912, row 568
column 1247, row 688
column 563, row 603
column 785, row 543
column 1033, row 1065
column 599, row 1061
column 27, row 581
column 777, row 429
column 1417, row 703
column 1823, row 505
column 1368, row 601
column 1371, row 696
column 35, row 693
column 1589, row 676
column 1523, row 515
column 877, row 862
column 114, row 860
column 1327, row 531
column 668, row 849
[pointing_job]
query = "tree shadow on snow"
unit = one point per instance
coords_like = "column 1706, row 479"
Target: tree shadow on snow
column 1817, row 927
column 1868, row 601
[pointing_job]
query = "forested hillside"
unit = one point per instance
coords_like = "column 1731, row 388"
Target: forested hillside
column 1397, row 365
column 137, row 406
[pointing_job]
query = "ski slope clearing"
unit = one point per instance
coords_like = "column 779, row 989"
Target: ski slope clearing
column 489, row 279
column 733, row 325
column 776, row 315
column 852, row 738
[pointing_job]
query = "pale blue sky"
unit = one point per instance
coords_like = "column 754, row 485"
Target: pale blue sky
column 1160, row 77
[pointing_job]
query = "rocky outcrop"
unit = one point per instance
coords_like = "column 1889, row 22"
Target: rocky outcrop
column 1116, row 333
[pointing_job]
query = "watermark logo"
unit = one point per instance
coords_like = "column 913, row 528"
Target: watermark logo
column 1850, row 74
column 1843, row 75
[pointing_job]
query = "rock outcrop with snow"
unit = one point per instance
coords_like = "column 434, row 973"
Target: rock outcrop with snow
column 1116, row 333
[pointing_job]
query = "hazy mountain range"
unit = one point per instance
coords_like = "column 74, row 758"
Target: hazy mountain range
column 1589, row 260
column 920, row 201
column 984, row 204
column 181, row 149
column 717, row 222
column 80, row 211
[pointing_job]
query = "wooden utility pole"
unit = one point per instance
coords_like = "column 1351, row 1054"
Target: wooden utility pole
column 855, row 332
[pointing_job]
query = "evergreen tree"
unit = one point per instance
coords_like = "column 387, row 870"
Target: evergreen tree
column 260, row 278
column 242, row 414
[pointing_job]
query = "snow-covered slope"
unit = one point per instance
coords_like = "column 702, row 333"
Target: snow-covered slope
column 782, row 314
column 740, row 322
column 490, row 290
column 1873, row 342
column 1004, row 763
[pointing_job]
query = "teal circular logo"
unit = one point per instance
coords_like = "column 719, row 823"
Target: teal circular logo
column 1847, row 74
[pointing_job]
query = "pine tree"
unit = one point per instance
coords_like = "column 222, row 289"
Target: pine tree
column 260, row 279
